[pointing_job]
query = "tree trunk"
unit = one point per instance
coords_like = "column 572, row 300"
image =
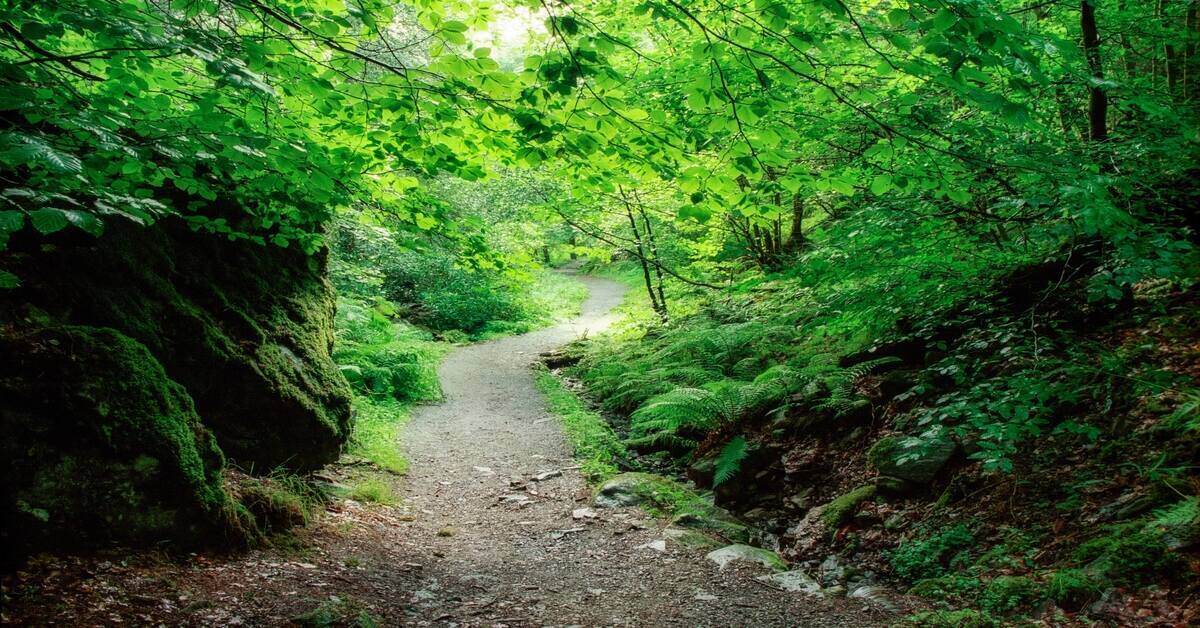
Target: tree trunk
column 1097, row 98
column 641, row 253
column 662, row 297
column 1171, row 55
column 1190, row 62
column 796, row 237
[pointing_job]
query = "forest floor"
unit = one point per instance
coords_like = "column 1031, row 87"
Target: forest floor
column 493, row 527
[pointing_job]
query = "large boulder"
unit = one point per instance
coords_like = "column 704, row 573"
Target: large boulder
column 246, row 329
column 916, row 460
column 100, row 445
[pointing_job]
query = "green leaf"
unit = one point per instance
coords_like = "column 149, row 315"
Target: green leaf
column 729, row 461
column 11, row 221
column 49, row 220
column 8, row 280
column 881, row 184
column 943, row 20
column 85, row 221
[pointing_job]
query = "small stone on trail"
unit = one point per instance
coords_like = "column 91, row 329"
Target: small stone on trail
column 558, row 534
column 484, row 470
column 706, row 597
column 583, row 513
column 546, row 475
column 446, row 531
column 659, row 546
column 795, row 581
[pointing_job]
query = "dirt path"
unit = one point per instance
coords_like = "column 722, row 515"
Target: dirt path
column 473, row 541
column 519, row 553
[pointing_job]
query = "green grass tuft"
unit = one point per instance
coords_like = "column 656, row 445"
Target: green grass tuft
column 373, row 491
column 376, row 434
column 596, row 445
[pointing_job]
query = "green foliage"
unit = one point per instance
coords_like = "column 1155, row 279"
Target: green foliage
column 596, row 446
column 841, row 509
column 336, row 611
column 729, row 461
column 918, row 559
column 382, row 358
column 1072, row 588
column 373, row 491
column 1006, row 594
column 954, row 588
column 963, row 618
column 1128, row 554
column 376, row 435
column 278, row 501
column 1179, row 524
column 840, row 381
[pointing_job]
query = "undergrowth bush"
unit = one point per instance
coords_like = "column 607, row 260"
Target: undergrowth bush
column 384, row 358
column 917, row 559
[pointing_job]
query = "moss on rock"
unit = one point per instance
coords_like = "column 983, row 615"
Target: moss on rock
column 247, row 330
column 841, row 509
column 912, row 459
column 100, row 445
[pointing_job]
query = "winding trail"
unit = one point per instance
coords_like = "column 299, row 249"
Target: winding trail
column 473, row 542
column 509, row 550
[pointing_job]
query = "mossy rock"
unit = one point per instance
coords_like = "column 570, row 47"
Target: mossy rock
column 841, row 509
column 709, row 518
column 100, row 445
column 666, row 497
column 245, row 329
column 636, row 489
column 740, row 553
column 692, row 538
column 917, row 461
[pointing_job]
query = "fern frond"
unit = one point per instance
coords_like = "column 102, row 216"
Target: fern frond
column 729, row 462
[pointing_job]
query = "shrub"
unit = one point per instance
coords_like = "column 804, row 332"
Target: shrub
column 377, row 431
column 965, row 618
column 927, row 558
column 1072, row 588
column 947, row 588
column 277, row 502
column 1128, row 554
column 1005, row 594
column 383, row 358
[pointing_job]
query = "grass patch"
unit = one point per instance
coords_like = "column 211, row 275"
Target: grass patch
column 336, row 611
column 377, row 432
column 373, row 491
column 596, row 445
column 277, row 502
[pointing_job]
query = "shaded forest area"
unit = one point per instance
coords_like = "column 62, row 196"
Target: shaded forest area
column 914, row 282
